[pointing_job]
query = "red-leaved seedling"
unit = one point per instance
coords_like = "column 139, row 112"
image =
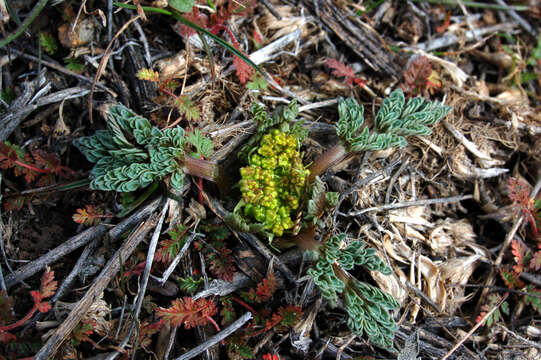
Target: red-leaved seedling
column 90, row 215
column 264, row 290
column 419, row 78
column 189, row 312
column 519, row 192
column 342, row 70
column 47, row 289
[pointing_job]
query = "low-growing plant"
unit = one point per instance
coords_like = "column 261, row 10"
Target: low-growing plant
column 283, row 197
column 47, row 289
column 519, row 193
column 367, row 306
column 419, row 78
column 132, row 154
column 340, row 69
column 396, row 119
column 184, row 105
column 190, row 313
column 36, row 166
column 90, row 215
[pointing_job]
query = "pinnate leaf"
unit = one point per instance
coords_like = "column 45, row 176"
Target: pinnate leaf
column 89, row 216
column 534, row 299
column 535, row 262
column 188, row 312
column 519, row 251
column 264, row 290
column 511, row 279
column 342, row 70
column 496, row 316
column 222, row 264
column 243, row 70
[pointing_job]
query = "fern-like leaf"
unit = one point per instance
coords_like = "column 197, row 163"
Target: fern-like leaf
column 368, row 309
column 188, row 312
column 492, row 301
column 264, row 290
column 125, row 166
column 394, row 120
column 342, row 70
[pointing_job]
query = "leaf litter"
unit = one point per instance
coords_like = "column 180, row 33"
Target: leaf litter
column 464, row 264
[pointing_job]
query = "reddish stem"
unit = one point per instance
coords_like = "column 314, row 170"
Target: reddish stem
column 326, row 160
column 199, row 167
column 213, row 323
column 240, row 302
column 267, row 327
column 166, row 91
column 43, row 171
column 200, row 185
column 21, row 321
column 531, row 220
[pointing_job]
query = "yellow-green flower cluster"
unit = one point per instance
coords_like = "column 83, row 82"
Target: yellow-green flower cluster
column 273, row 182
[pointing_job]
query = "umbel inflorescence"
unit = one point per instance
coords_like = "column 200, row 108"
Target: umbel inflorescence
column 273, row 182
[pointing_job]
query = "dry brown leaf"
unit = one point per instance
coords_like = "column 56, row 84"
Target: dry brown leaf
column 173, row 67
column 83, row 33
column 434, row 287
column 290, row 22
column 451, row 233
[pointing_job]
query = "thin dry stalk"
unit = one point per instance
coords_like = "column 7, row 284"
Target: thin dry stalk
column 100, row 283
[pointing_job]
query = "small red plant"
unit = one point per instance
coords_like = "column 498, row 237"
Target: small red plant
column 493, row 300
column 280, row 321
column 220, row 258
column 342, row 70
column 90, row 215
column 270, row 356
column 169, row 248
column 37, row 165
column 189, row 313
column 524, row 257
column 146, row 330
column 264, row 290
column 47, row 289
column 419, row 78
column 519, row 192
column 216, row 23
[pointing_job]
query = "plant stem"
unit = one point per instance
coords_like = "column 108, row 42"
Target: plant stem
column 306, row 239
column 248, row 307
column 21, row 321
column 205, row 169
column 26, row 23
column 326, row 160
column 43, row 171
column 213, row 323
